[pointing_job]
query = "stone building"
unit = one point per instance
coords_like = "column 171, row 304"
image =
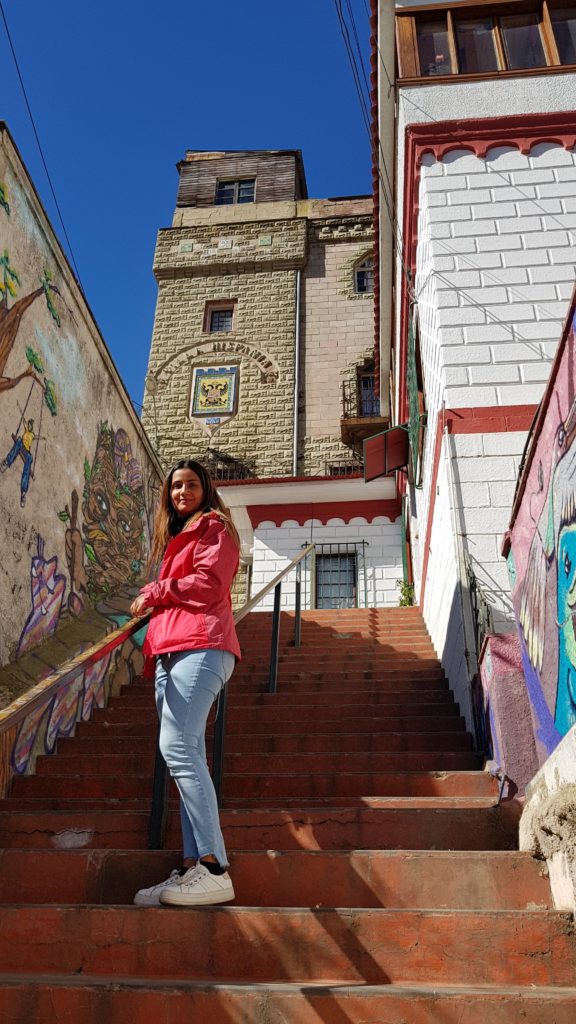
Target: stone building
column 262, row 364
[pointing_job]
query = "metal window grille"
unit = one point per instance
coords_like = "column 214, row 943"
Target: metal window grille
column 364, row 276
column 344, row 467
column 230, row 192
column 221, row 319
column 335, row 573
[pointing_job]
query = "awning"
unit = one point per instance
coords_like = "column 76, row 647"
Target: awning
column 385, row 453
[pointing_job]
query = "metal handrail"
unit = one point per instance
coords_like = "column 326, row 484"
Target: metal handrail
column 22, row 706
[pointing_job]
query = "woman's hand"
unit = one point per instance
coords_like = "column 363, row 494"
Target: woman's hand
column 139, row 605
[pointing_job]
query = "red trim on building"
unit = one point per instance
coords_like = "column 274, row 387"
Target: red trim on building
column 375, row 145
column 523, row 131
column 493, row 419
column 255, row 481
column 324, row 511
column 496, row 419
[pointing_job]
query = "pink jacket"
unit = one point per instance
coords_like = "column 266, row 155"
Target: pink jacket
column 191, row 600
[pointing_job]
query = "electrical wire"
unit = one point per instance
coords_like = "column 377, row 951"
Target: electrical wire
column 378, row 157
column 38, row 143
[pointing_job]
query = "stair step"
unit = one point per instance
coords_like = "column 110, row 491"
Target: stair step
column 349, row 705
column 246, row 784
column 396, row 828
column 306, row 755
column 288, row 739
column 360, row 878
column 276, row 944
column 387, row 718
column 60, row 1000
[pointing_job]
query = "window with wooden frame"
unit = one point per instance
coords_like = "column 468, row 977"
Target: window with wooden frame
column 229, row 193
column 485, row 38
column 219, row 317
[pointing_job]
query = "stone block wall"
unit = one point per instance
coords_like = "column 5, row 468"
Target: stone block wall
column 261, row 344
column 337, row 333
column 254, row 263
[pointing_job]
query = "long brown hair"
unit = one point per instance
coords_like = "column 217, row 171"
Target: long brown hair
column 168, row 523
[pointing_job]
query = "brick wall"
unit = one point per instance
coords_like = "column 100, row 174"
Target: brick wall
column 496, row 263
column 337, row 335
column 494, row 274
column 262, row 344
column 255, row 264
column 275, row 547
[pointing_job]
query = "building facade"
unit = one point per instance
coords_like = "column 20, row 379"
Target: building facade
column 262, row 365
column 484, row 171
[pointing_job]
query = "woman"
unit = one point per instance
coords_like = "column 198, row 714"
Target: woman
column 192, row 636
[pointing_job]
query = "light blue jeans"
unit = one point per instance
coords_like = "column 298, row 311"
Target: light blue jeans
column 187, row 684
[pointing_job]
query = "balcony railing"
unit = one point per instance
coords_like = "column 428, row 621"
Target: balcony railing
column 359, row 398
column 344, row 467
column 222, row 466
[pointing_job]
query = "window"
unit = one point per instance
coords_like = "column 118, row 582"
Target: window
column 221, row 319
column 434, row 47
column 229, row 193
column 486, row 39
column 368, row 403
column 336, row 576
column 522, row 41
column 476, row 45
column 364, row 276
column 219, row 316
column 564, row 26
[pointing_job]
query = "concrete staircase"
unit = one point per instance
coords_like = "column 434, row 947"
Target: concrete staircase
column 377, row 880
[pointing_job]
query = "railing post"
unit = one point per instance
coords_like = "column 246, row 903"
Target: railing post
column 298, row 606
column 158, row 811
column 273, row 675
column 218, row 744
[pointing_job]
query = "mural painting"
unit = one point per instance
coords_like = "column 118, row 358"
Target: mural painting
column 542, row 560
column 47, row 587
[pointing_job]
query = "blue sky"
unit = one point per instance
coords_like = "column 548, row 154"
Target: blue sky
column 119, row 90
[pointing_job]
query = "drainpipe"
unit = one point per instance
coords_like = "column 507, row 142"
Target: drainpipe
column 296, row 374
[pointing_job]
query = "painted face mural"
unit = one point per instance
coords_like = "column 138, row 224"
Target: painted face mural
column 113, row 513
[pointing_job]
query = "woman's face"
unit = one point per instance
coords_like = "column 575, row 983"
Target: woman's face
column 186, row 492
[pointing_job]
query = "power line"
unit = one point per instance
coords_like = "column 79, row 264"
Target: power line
column 358, row 47
column 355, row 73
column 21, row 80
column 379, row 158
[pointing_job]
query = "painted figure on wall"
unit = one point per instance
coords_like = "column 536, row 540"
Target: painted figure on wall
column 113, row 512
column 4, row 204
column 47, row 588
column 547, row 609
column 22, row 447
column 11, row 316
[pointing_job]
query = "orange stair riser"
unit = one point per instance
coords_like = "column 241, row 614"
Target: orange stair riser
column 51, row 1002
column 359, row 946
column 289, row 879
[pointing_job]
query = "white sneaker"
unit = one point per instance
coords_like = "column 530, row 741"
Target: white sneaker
column 151, row 897
column 198, row 887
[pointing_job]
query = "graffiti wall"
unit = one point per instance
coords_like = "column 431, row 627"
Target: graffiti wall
column 78, row 477
column 542, row 554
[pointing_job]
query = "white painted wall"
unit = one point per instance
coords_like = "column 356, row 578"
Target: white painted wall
column 495, row 272
column 276, row 546
column 442, row 608
column 484, row 470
